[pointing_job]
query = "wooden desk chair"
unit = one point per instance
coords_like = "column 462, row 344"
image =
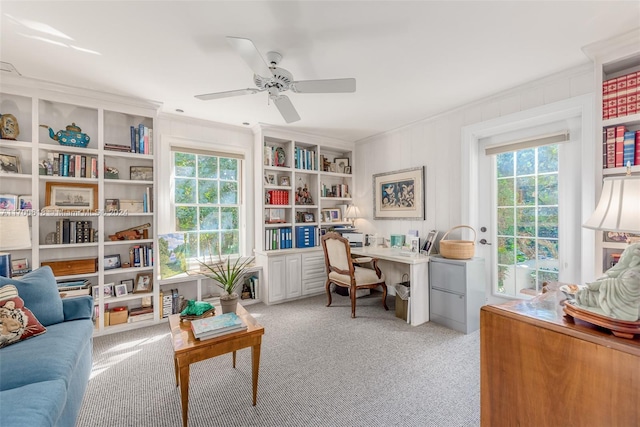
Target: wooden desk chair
column 342, row 272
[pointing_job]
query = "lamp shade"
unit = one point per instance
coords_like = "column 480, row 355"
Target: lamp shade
column 352, row 212
column 619, row 206
column 14, row 233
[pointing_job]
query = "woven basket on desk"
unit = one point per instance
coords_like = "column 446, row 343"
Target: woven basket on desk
column 458, row 249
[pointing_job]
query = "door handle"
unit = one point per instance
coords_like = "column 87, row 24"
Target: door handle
column 484, row 242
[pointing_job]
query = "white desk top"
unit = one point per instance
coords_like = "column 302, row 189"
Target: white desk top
column 390, row 254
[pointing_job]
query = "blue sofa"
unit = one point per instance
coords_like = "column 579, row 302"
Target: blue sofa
column 43, row 378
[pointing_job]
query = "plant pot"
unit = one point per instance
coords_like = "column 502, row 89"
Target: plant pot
column 229, row 303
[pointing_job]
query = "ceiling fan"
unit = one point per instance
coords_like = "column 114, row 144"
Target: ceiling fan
column 274, row 80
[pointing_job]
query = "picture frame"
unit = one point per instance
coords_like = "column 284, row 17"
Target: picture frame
column 71, row 196
column 341, row 163
column 112, row 261
column 399, row 194
column 111, row 205
column 326, row 215
column 141, row 173
column 8, row 202
column 309, row 217
column 94, row 292
column 427, row 247
column 129, row 284
column 144, row 283
column 19, row 266
column 107, row 290
column 336, row 215
column 283, row 181
column 25, row 202
column 131, row 206
column 121, row 290
column 271, row 178
column 10, row 163
column 347, row 170
column 619, row 237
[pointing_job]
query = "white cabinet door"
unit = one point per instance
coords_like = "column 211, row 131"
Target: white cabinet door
column 277, row 278
column 314, row 274
column 293, row 276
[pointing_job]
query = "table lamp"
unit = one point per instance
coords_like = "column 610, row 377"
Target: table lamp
column 352, row 214
column 14, row 235
column 619, row 205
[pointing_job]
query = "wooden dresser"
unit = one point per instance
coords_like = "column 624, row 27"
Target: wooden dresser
column 540, row 369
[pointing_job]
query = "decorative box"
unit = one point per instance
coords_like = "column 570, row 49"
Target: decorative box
column 68, row 267
column 117, row 317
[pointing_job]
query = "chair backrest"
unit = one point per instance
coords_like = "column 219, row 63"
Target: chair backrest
column 337, row 253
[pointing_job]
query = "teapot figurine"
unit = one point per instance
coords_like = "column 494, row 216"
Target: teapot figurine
column 72, row 136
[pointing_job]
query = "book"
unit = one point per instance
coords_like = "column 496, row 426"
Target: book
column 214, row 326
column 629, row 149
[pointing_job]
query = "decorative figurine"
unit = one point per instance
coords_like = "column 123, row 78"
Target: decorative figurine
column 9, row 128
column 72, row 136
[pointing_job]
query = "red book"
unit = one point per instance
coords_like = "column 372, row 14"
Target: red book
column 610, row 149
column 637, row 159
column 620, row 130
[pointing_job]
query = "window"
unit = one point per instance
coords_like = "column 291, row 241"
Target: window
column 527, row 221
column 207, row 201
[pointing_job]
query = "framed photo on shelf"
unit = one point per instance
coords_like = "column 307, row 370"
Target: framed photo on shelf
column 8, row 202
column 283, row 181
column 309, row 217
column 112, row 261
column 25, row 202
column 399, row 194
column 336, row 215
column 270, row 178
column 144, row 283
column 19, row 266
column 141, row 173
column 341, row 164
column 108, row 290
column 429, row 241
column 326, row 215
column 121, row 290
column 72, row 196
column 129, row 284
column 347, row 169
column 111, row 205
column 9, row 163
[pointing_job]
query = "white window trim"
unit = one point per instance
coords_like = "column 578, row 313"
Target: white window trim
column 580, row 107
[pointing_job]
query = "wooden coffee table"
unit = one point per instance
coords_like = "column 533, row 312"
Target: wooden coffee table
column 188, row 350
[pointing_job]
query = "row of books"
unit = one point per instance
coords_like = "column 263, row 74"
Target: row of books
column 338, row 190
column 170, row 302
column 621, row 147
column 68, row 232
column 215, row 326
column 304, row 159
column 70, row 165
column 141, row 139
column 141, row 256
column 278, row 238
column 249, row 287
column 138, row 314
column 74, row 288
column 620, row 96
column 277, row 197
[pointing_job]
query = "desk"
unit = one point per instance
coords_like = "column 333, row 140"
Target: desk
column 418, row 276
column 188, row 350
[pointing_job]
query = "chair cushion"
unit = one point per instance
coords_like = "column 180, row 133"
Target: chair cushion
column 39, row 292
column 364, row 276
column 17, row 322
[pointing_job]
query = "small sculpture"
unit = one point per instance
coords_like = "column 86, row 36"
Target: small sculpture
column 9, row 128
column 617, row 293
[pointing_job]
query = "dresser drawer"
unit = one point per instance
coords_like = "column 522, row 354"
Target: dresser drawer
column 449, row 277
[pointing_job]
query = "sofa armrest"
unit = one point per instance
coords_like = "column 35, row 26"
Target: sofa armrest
column 80, row 307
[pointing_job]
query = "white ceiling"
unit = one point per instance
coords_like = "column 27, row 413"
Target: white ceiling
column 412, row 59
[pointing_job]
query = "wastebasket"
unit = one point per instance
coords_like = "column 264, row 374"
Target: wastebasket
column 403, row 289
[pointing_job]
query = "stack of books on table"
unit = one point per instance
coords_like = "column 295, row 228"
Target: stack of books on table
column 215, row 326
column 140, row 313
column 74, row 288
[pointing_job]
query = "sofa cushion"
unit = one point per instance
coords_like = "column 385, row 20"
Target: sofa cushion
column 37, row 404
column 39, row 291
column 17, row 322
column 54, row 355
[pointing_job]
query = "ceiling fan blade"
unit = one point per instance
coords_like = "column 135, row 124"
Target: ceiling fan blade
column 248, row 51
column 325, row 86
column 286, row 108
column 227, row 94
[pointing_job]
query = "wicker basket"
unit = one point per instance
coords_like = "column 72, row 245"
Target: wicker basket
column 458, row 249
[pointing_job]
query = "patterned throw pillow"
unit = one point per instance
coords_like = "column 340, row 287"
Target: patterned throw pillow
column 17, row 322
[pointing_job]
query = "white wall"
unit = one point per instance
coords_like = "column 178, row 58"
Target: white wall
column 205, row 135
column 436, row 144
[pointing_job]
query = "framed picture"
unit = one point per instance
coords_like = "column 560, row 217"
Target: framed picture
column 144, row 283
column 111, row 205
column 399, row 194
column 8, row 202
column 94, row 292
column 341, row 163
column 326, row 215
column 9, row 164
column 309, row 217
column 72, row 196
column 336, row 215
column 107, row 289
column 429, row 241
column 19, row 266
column 615, row 236
column 271, row 178
column 131, row 206
column 141, row 173
column 25, row 202
column 347, row 169
column 284, row 181
column 129, row 284
column 121, row 290
column 112, row 261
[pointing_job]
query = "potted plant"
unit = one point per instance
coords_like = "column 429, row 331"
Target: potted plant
column 227, row 275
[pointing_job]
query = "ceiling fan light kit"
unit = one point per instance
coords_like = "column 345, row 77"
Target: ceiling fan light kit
column 274, row 80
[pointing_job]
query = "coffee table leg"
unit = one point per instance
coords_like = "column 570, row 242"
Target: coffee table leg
column 234, row 359
column 255, row 368
column 184, row 393
column 175, row 367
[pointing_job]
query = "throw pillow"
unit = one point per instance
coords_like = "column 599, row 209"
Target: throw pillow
column 39, row 291
column 17, row 322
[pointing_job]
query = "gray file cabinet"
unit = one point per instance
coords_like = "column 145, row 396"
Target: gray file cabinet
column 456, row 292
